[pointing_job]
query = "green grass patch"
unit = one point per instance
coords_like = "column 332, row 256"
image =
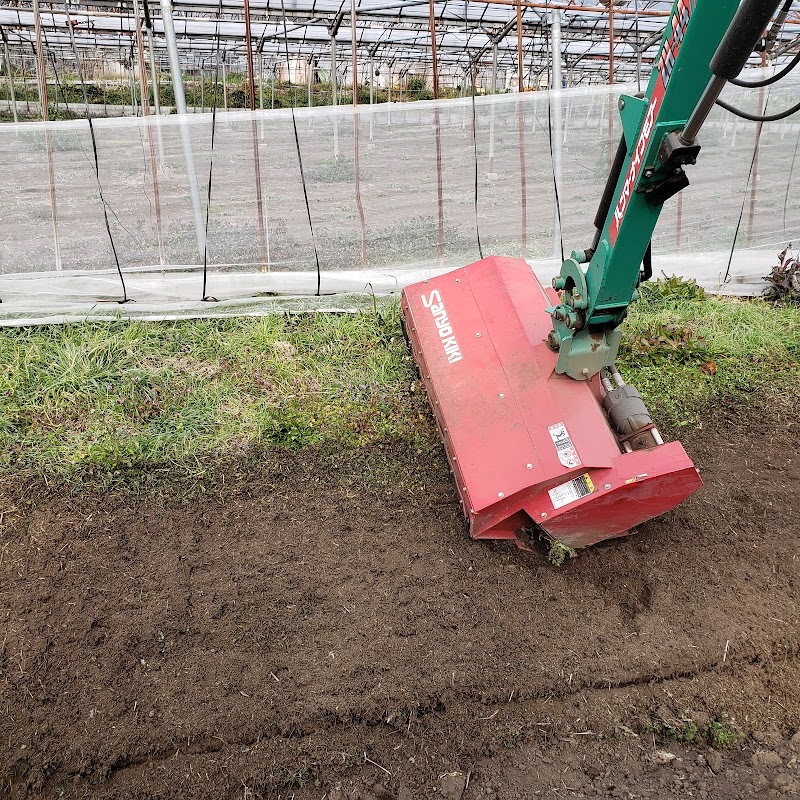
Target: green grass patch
column 103, row 401
column 108, row 398
column 684, row 350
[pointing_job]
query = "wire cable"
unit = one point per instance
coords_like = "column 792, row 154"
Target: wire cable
column 767, row 81
column 550, row 140
column 79, row 63
column 207, row 298
column 299, row 156
column 744, row 201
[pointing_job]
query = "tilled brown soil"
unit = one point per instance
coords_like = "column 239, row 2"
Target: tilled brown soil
column 325, row 627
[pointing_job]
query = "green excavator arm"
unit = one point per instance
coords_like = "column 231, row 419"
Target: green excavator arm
column 706, row 42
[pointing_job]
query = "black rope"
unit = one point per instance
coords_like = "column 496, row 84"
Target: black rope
column 767, row 81
column 206, row 298
column 475, row 153
column 744, row 201
column 104, row 203
column 299, row 156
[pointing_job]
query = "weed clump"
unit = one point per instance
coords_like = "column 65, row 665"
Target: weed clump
column 558, row 552
column 721, row 736
column 671, row 289
column 783, row 283
column 686, row 730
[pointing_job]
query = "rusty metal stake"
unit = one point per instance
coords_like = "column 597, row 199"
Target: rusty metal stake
column 435, row 65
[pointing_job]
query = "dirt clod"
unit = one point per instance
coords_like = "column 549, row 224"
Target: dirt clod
column 766, row 760
column 452, row 785
column 715, row 761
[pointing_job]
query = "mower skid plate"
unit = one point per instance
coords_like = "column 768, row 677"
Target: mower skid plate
column 525, row 444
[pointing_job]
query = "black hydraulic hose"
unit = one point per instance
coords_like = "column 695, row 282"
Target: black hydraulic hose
column 767, row 81
column 756, row 117
column 741, row 38
column 608, row 192
column 647, row 264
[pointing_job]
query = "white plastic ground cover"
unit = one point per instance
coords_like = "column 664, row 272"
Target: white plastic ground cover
column 402, row 209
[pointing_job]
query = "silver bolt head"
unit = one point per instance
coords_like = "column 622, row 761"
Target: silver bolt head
column 544, row 515
column 608, row 486
column 477, row 336
column 500, row 494
column 529, row 466
column 502, row 396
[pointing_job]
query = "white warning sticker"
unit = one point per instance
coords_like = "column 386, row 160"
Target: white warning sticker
column 567, row 454
column 571, row 491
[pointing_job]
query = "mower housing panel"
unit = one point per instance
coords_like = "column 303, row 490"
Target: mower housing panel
column 525, row 444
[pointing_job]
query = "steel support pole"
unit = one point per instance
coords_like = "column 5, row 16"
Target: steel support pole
column 494, row 67
column 371, row 79
column 520, row 85
column 333, row 70
column 41, row 75
column 611, row 42
column 555, row 49
column 132, row 87
column 354, row 43
column 557, row 132
column 371, row 92
column 172, row 55
column 180, row 105
column 435, row 65
column 309, row 76
column 224, row 83
column 261, row 81
column 12, row 95
column 149, row 129
column 25, row 88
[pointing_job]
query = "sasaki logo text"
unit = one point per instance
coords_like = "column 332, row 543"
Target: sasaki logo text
column 669, row 53
column 633, row 170
column 451, row 349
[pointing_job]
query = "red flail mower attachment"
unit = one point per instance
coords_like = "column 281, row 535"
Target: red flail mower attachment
column 527, row 445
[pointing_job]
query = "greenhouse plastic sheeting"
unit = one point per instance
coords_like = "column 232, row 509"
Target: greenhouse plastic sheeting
column 391, row 198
